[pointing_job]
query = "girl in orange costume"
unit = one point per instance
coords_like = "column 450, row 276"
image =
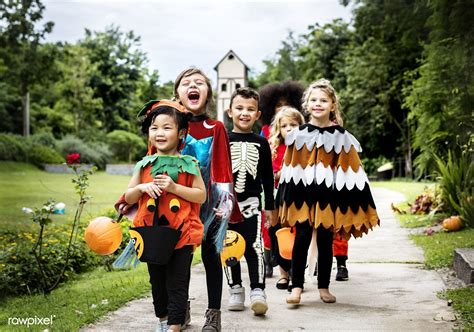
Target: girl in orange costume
column 173, row 184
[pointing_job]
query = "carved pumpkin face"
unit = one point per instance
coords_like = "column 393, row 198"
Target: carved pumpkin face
column 234, row 248
column 137, row 242
column 172, row 210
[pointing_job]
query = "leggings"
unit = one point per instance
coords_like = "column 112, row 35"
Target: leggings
column 250, row 229
column 324, row 239
column 169, row 286
column 213, row 266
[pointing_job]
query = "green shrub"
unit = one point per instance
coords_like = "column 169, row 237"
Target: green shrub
column 104, row 154
column 45, row 139
column 19, row 273
column 371, row 165
column 126, row 145
column 90, row 153
column 39, row 155
column 13, row 148
column 456, row 182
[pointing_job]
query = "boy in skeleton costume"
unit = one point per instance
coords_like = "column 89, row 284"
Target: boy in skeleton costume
column 252, row 170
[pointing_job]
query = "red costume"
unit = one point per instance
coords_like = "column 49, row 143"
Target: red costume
column 207, row 141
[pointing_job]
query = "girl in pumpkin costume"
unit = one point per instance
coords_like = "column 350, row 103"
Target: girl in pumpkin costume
column 207, row 141
column 168, row 188
column 322, row 186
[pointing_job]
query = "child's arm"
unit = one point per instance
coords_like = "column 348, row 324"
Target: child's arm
column 136, row 189
column 194, row 194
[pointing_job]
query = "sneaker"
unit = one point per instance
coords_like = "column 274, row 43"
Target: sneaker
column 342, row 273
column 162, row 326
column 237, row 298
column 213, row 321
column 258, row 301
column 187, row 317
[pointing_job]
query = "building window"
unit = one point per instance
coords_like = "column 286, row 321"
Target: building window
column 237, row 86
column 230, row 57
column 223, row 87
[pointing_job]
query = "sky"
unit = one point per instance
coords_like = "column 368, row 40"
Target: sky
column 177, row 34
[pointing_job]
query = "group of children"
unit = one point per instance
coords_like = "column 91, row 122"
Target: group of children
column 313, row 167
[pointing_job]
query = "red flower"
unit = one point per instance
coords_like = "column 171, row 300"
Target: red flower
column 73, row 158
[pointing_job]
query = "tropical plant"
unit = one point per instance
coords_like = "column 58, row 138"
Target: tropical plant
column 456, row 182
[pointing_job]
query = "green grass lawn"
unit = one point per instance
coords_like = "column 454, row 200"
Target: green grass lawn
column 88, row 296
column 410, row 189
column 23, row 185
column 81, row 301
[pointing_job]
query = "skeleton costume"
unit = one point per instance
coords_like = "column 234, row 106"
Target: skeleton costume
column 252, row 170
column 323, row 185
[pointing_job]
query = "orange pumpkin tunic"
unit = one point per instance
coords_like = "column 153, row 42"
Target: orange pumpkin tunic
column 174, row 209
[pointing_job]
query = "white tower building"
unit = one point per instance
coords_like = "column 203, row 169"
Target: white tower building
column 231, row 75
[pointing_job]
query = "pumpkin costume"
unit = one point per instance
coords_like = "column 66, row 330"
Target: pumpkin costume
column 171, row 210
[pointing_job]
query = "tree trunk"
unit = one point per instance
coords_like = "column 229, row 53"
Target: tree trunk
column 26, row 114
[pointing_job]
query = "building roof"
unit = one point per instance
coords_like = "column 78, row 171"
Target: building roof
column 225, row 57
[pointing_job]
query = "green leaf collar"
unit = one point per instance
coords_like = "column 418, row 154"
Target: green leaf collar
column 171, row 165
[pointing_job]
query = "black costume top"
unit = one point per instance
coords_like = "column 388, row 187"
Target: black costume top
column 252, row 167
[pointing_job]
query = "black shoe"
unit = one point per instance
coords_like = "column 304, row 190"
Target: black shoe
column 213, row 321
column 283, row 285
column 342, row 273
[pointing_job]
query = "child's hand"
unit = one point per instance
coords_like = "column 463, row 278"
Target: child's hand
column 164, row 182
column 123, row 208
column 151, row 189
column 268, row 218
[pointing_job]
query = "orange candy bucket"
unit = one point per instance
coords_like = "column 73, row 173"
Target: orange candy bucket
column 286, row 240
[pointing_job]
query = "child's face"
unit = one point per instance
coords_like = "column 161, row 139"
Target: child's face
column 244, row 113
column 192, row 92
column 287, row 125
column 320, row 106
column 163, row 134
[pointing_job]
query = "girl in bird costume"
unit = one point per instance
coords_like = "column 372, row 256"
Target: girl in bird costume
column 322, row 186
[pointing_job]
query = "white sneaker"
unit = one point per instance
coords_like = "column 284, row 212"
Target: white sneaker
column 237, row 298
column 162, row 326
column 258, row 301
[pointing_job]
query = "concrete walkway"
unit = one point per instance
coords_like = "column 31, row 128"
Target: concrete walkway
column 388, row 290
